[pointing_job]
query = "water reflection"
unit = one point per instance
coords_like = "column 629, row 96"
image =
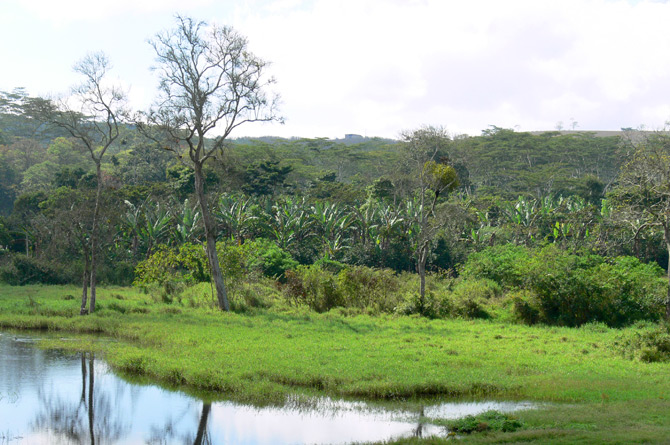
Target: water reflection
column 76, row 399
column 90, row 420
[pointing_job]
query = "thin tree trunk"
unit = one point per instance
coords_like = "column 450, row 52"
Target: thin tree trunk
column 85, row 278
column 421, row 269
column 84, row 291
column 210, row 236
column 94, row 237
column 667, row 298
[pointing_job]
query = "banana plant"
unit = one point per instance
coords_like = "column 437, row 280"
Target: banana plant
column 484, row 231
column 561, row 230
column 156, row 226
column 332, row 223
column 290, row 222
column 148, row 224
column 130, row 222
column 235, row 215
column 364, row 218
column 390, row 223
column 188, row 224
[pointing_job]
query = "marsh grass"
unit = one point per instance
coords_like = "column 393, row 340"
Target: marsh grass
column 594, row 392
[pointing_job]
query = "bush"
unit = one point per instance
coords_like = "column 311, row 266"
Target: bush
column 525, row 308
column 171, row 270
column 488, row 421
column 264, row 256
column 353, row 287
column 571, row 290
column 231, row 261
column 329, row 265
column 314, row 287
column 648, row 344
column 19, row 270
column 506, row 265
column 366, row 288
column 120, row 273
column 560, row 288
column 469, row 297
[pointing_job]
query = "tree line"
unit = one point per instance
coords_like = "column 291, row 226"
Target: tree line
column 89, row 189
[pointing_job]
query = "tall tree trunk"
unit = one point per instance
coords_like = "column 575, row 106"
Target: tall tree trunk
column 94, row 237
column 210, row 236
column 667, row 298
column 421, row 270
column 666, row 235
column 84, row 291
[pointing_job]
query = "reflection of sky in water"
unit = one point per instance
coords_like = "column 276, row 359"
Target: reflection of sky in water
column 44, row 398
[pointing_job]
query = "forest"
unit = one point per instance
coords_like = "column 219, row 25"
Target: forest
column 330, row 223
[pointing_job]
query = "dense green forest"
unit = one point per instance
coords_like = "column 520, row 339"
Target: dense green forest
column 303, row 213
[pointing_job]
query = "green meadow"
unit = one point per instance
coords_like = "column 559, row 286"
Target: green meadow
column 589, row 391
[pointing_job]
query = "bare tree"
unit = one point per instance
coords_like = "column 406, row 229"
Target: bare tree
column 426, row 150
column 210, row 84
column 93, row 114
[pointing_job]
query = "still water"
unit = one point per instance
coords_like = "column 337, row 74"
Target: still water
column 47, row 397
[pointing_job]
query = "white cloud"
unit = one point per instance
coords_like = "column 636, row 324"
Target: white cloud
column 381, row 66
column 64, row 12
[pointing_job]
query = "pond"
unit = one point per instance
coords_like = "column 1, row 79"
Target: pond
column 49, row 397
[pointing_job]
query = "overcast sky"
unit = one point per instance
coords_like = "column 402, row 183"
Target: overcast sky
column 377, row 67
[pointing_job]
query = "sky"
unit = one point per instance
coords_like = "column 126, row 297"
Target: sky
column 381, row 67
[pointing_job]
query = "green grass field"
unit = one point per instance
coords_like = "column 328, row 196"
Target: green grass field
column 591, row 392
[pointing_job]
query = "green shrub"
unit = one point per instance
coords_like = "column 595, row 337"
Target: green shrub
column 118, row 273
column 506, row 265
column 572, row 290
column 250, row 296
column 647, row 343
column 193, row 259
column 525, row 307
column 366, row 288
column 232, row 262
column 266, row 257
column 314, row 287
column 488, row 421
column 468, row 298
column 19, row 270
column 170, row 271
column 565, row 289
column 478, row 288
column 329, row 265
column 357, row 287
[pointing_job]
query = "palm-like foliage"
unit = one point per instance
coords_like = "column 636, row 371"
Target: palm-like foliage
column 148, row 224
column 332, row 224
column 235, row 215
column 188, row 224
column 290, row 222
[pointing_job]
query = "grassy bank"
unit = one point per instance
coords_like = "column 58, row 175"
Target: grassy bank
column 595, row 394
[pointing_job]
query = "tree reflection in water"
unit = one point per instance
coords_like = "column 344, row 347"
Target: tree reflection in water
column 90, row 421
column 419, row 430
column 202, row 437
column 97, row 420
column 169, row 432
